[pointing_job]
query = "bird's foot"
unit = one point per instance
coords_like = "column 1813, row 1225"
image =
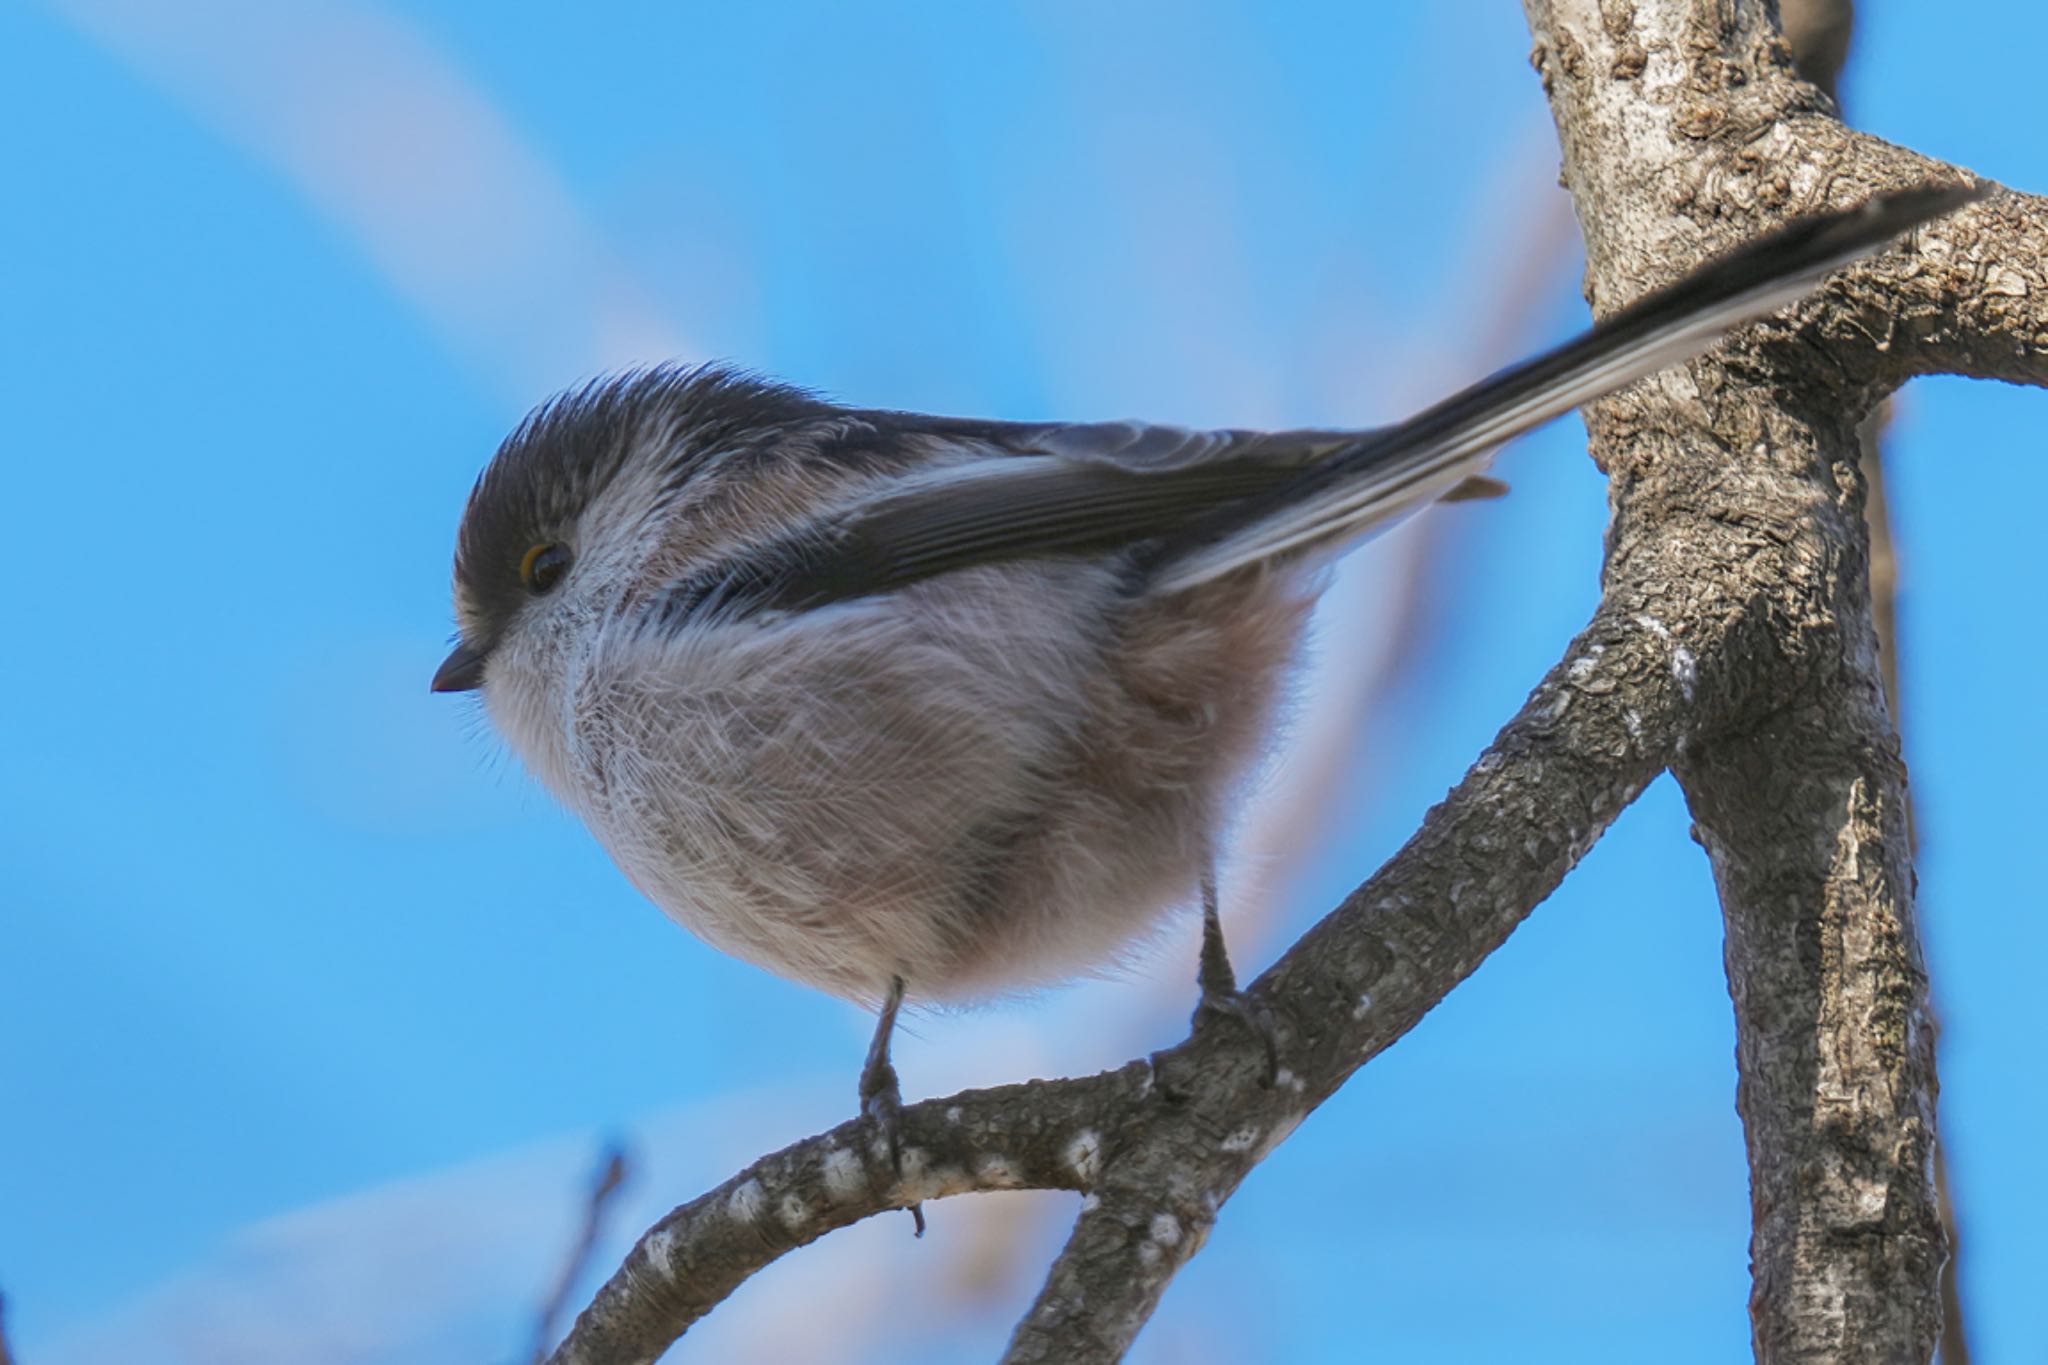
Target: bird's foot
column 1235, row 1004
column 1218, row 980
column 881, row 1095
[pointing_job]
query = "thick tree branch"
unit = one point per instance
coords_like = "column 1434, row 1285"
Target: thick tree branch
column 1820, row 34
column 1795, row 778
column 1805, row 824
column 1979, row 306
column 1679, row 119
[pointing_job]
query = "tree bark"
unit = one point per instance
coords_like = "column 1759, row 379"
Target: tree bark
column 1792, row 772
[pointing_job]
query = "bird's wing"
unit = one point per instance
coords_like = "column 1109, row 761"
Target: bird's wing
column 1037, row 488
column 1194, row 504
column 1139, row 447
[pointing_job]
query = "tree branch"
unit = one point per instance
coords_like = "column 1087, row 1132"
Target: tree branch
column 1044, row 1135
column 1979, row 305
column 1820, row 34
column 1794, row 778
column 1805, row 824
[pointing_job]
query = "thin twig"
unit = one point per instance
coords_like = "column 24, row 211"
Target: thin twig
column 611, row 1175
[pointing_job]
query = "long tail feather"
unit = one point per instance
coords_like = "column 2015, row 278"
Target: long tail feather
column 1399, row 468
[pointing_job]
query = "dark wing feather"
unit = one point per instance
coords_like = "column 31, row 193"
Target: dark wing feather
column 1006, row 509
column 1043, row 488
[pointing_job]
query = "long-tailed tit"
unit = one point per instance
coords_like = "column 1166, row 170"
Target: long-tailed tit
column 896, row 704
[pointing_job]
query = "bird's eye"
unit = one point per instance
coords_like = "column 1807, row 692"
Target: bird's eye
column 543, row 567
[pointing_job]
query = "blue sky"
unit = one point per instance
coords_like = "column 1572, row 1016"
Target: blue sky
column 312, row 1009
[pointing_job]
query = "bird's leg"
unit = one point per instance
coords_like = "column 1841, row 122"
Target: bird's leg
column 1220, row 996
column 881, row 1096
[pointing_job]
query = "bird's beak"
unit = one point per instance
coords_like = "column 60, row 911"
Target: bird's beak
column 461, row 671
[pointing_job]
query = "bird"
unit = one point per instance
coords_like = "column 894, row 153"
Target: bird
column 938, row 709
